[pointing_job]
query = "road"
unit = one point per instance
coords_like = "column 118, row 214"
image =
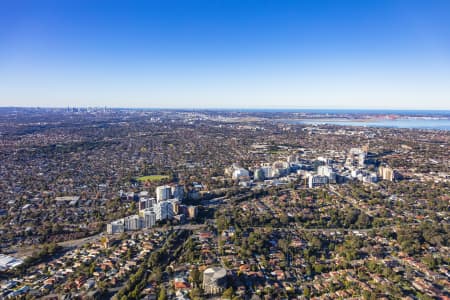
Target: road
column 80, row 242
column 24, row 252
column 329, row 230
column 94, row 238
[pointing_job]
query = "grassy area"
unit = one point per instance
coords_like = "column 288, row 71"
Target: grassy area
column 153, row 178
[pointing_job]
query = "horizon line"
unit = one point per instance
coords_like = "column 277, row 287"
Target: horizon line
column 233, row 108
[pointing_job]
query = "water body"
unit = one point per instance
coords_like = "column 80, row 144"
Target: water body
column 440, row 124
column 331, row 112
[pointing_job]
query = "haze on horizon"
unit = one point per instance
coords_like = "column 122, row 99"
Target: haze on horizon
column 226, row 54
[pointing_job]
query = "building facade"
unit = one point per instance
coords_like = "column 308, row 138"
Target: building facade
column 214, row 280
column 317, row 180
column 163, row 193
column 163, row 210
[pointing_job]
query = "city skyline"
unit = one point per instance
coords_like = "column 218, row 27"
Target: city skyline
column 234, row 54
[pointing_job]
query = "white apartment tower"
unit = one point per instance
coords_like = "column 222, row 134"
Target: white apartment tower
column 163, row 210
column 163, row 193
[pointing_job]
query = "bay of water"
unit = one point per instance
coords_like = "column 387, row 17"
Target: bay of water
column 440, row 124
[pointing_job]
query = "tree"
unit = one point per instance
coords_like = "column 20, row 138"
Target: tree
column 284, row 219
column 196, row 276
column 162, row 294
column 195, row 293
column 156, row 274
column 228, row 293
column 306, row 292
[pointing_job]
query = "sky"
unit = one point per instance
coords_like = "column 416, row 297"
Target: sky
column 225, row 54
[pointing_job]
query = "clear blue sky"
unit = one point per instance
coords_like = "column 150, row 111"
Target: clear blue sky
column 229, row 53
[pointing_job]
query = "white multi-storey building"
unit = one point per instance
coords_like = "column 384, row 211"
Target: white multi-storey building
column 115, row 227
column 386, row 173
column 149, row 219
column 355, row 173
column 239, row 173
column 163, row 210
column 163, row 193
column 328, row 172
column 132, row 222
column 316, row 180
column 146, row 203
column 268, row 171
column 177, row 192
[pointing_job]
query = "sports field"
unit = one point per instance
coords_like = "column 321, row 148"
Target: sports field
column 153, row 178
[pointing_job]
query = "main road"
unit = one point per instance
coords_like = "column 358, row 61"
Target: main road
column 94, row 238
